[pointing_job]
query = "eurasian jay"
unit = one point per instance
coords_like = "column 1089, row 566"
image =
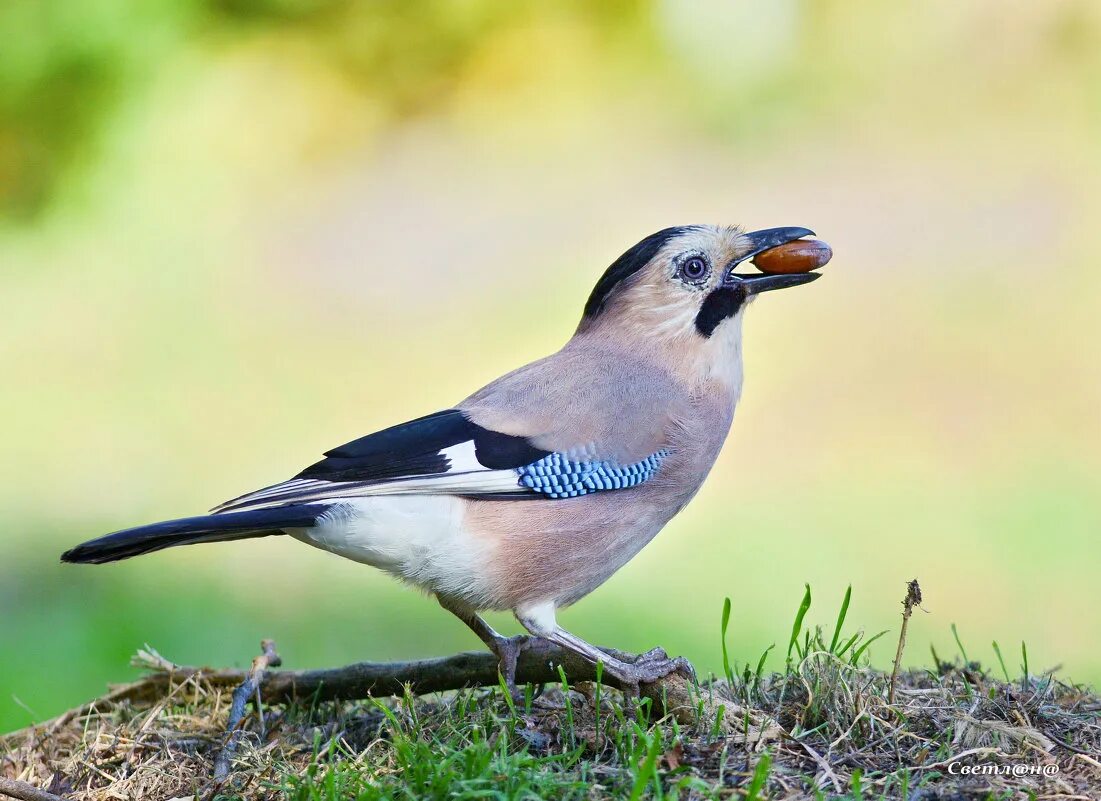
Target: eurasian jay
column 530, row 493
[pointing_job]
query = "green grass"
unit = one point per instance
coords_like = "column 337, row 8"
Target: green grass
column 459, row 758
column 755, row 736
column 477, row 747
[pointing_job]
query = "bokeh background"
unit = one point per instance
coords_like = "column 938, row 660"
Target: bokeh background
column 234, row 233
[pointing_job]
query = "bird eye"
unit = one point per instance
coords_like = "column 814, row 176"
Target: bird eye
column 693, row 268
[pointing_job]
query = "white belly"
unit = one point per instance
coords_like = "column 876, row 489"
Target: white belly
column 418, row 538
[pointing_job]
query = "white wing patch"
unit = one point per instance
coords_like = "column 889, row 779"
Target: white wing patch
column 463, row 459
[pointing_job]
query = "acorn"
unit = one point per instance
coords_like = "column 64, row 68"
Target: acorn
column 797, row 256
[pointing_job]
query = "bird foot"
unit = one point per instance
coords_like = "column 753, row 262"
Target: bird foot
column 508, row 650
column 649, row 667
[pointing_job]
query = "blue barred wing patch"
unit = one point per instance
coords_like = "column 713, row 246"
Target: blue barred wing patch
column 558, row 476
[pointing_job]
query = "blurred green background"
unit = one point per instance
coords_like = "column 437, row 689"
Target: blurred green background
column 234, row 233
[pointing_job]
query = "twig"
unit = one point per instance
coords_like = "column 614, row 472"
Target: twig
column 245, row 690
column 912, row 599
column 24, row 791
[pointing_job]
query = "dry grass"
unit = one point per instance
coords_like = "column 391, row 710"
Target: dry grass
column 824, row 728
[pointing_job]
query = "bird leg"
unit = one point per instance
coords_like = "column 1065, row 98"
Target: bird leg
column 506, row 649
column 648, row 668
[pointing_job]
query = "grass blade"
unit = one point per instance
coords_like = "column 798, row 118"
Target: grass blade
column 569, row 705
column 648, row 768
column 849, row 643
column 866, row 643
column 841, row 618
column 726, row 656
column 1001, row 661
column 717, row 728
column 959, row 645
column 857, row 789
column 507, row 696
column 798, row 625
column 596, row 704
column 760, row 776
column 761, row 664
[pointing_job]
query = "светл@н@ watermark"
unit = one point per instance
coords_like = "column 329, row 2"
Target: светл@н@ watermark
column 991, row 769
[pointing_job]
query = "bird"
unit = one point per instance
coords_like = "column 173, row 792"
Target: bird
column 533, row 491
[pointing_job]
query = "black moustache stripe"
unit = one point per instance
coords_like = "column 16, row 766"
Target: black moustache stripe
column 720, row 304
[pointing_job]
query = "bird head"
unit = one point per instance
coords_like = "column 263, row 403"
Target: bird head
column 680, row 283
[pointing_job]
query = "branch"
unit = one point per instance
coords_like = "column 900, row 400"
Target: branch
column 538, row 664
column 24, row 791
column 249, row 687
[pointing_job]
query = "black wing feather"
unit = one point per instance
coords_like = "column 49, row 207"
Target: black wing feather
column 429, row 433
column 414, row 449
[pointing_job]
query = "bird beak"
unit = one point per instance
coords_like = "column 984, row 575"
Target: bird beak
column 755, row 284
column 759, row 242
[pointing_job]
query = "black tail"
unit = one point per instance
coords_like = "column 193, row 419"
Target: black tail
column 188, row 530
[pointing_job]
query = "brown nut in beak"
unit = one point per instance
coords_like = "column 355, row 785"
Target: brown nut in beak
column 797, row 256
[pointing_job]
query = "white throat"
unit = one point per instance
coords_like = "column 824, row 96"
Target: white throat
column 721, row 360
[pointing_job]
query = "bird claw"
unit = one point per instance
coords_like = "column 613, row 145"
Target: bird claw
column 648, row 668
column 656, row 664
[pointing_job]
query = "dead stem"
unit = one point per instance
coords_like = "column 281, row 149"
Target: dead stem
column 912, row 599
